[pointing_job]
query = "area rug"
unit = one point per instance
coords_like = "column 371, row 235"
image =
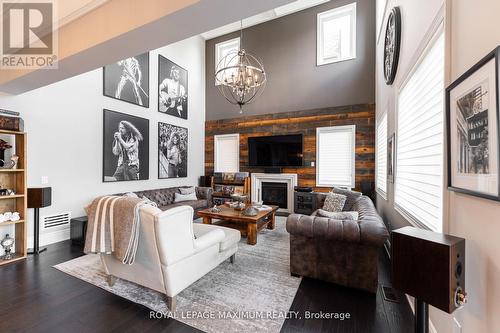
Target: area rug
column 251, row 295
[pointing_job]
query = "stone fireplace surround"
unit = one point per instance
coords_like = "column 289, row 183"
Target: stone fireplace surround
column 289, row 178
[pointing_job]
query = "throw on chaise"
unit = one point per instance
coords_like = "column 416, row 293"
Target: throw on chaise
column 344, row 252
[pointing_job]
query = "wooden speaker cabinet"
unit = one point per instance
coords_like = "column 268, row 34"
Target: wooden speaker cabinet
column 429, row 266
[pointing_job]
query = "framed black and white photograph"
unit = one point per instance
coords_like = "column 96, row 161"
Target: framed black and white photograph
column 172, row 88
column 128, row 80
column 391, row 152
column 473, row 136
column 172, row 151
column 125, row 147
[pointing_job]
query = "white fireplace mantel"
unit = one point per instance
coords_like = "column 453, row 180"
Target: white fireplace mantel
column 289, row 178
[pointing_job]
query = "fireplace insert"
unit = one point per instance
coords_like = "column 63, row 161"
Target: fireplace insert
column 275, row 194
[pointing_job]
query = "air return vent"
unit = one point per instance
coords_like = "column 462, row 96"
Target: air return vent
column 56, row 220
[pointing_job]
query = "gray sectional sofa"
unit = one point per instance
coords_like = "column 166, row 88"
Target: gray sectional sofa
column 164, row 198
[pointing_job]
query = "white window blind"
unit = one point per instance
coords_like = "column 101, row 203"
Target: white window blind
column 227, row 153
column 336, row 35
column 381, row 158
column 419, row 156
column 335, row 155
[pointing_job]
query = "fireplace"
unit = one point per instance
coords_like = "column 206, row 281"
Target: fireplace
column 275, row 194
column 274, row 189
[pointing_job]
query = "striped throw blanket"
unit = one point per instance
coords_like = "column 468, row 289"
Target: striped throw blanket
column 113, row 226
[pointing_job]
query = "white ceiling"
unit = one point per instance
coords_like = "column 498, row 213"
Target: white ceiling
column 269, row 15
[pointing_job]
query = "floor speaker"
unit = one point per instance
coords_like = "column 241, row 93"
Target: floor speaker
column 429, row 266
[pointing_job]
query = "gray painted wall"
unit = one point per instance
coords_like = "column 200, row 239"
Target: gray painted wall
column 287, row 47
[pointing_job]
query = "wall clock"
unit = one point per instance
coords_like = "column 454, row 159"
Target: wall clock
column 392, row 45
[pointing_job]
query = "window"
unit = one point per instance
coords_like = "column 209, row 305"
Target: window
column 227, row 153
column 335, row 153
column 223, row 48
column 419, row 156
column 381, row 158
column 336, row 40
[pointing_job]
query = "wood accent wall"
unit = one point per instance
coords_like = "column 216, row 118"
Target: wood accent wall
column 305, row 122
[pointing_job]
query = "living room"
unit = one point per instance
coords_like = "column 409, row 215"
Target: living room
column 151, row 184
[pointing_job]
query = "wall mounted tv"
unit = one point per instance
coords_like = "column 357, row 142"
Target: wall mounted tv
column 275, row 151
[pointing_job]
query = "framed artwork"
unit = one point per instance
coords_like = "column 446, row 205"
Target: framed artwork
column 125, row 147
column 128, row 80
column 472, row 130
column 391, row 152
column 172, row 151
column 172, row 88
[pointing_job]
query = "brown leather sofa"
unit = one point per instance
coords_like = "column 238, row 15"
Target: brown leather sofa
column 344, row 252
column 164, row 198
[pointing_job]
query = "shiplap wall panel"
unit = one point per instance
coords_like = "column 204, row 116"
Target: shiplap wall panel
column 305, row 122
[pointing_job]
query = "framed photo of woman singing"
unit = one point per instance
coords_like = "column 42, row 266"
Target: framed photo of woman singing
column 172, row 151
column 125, row 147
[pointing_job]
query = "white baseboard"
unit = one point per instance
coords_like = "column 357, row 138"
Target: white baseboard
column 51, row 237
column 432, row 328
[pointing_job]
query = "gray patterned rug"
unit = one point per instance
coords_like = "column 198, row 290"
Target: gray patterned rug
column 257, row 284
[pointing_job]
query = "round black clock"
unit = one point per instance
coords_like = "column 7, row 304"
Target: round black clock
column 392, row 45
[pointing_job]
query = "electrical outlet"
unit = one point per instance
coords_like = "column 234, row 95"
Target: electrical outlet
column 457, row 328
column 312, row 164
column 45, row 180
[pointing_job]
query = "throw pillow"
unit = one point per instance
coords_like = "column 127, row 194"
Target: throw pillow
column 351, row 197
column 334, row 202
column 187, row 190
column 338, row 215
column 130, row 194
column 185, row 197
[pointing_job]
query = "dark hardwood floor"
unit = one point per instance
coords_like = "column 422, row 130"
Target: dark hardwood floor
column 35, row 297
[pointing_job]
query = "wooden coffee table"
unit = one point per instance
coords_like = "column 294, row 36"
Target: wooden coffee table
column 249, row 226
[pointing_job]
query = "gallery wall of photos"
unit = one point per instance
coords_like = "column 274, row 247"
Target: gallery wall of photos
column 126, row 137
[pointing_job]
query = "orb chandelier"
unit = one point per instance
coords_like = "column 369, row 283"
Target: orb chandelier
column 240, row 76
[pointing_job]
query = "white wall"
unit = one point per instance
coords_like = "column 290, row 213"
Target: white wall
column 474, row 28
column 472, row 31
column 64, row 125
column 417, row 18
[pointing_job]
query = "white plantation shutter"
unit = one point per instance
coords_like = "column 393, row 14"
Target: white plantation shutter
column 227, row 153
column 419, row 156
column 381, row 158
column 335, row 152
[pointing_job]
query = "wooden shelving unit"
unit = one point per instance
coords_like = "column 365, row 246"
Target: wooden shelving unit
column 16, row 179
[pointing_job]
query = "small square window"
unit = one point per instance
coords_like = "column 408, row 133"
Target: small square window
column 222, row 49
column 336, row 35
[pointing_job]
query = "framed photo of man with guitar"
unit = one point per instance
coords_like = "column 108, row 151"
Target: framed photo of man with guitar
column 172, row 88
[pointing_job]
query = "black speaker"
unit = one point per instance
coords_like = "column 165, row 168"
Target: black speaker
column 205, row 181
column 429, row 266
column 39, row 197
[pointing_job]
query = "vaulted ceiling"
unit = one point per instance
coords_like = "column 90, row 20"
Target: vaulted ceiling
column 93, row 33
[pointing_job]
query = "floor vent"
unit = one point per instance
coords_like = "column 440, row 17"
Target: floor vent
column 56, row 220
column 390, row 294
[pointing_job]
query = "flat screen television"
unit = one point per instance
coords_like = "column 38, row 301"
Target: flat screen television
column 275, row 151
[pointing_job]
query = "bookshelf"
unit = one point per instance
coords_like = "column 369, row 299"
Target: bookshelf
column 15, row 179
column 225, row 184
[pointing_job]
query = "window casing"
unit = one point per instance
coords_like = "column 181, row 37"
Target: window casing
column 227, row 153
column 336, row 35
column 420, row 128
column 381, row 155
column 381, row 6
column 335, row 156
column 223, row 48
